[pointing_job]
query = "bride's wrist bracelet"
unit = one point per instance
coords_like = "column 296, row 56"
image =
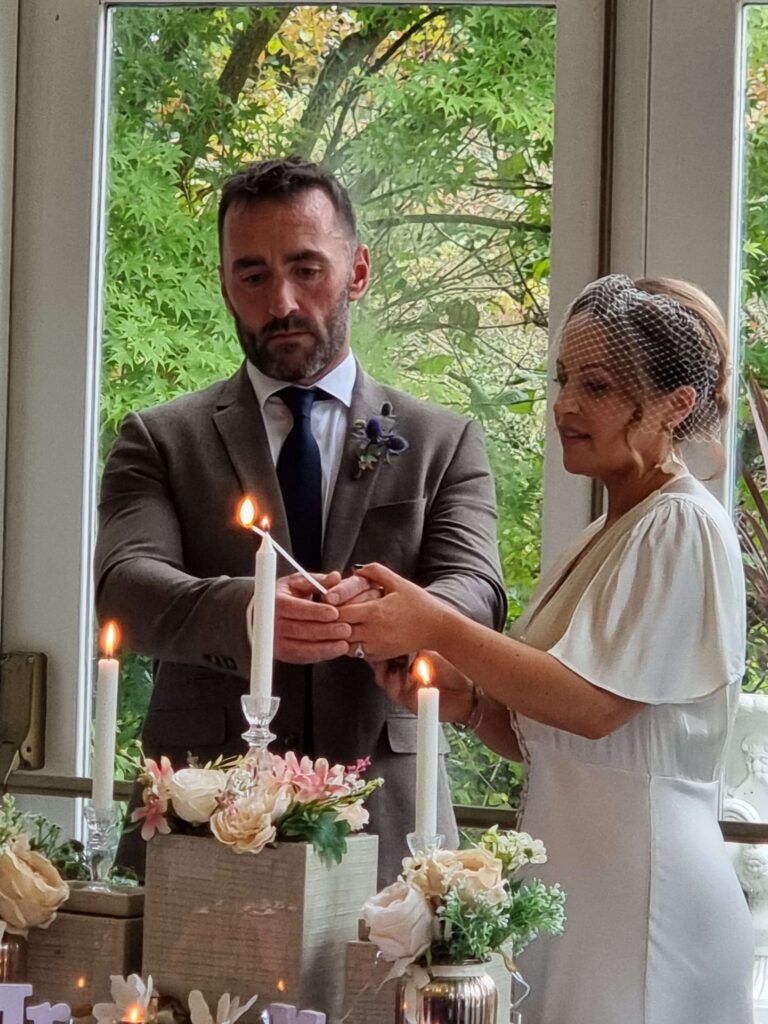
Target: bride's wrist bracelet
column 474, row 719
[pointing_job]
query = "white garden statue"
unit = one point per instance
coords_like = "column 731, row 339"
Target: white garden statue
column 746, row 799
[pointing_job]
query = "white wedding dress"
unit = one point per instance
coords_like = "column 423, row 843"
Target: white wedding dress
column 657, row 931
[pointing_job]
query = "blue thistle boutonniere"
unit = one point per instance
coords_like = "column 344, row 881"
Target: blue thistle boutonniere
column 378, row 439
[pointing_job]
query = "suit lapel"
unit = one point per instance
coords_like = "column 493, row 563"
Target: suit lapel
column 238, row 420
column 352, row 494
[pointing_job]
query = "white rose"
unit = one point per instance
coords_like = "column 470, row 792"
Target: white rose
column 194, row 793
column 400, row 921
column 355, row 814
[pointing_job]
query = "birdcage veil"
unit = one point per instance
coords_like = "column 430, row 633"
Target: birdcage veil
column 646, row 344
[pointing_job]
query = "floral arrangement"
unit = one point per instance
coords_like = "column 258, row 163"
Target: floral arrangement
column 31, row 889
column 454, row 905
column 133, row 994
column 378, row 438
column 247, row 807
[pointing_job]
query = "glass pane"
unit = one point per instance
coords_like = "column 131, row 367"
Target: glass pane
column 440, row 124
column 746, row 781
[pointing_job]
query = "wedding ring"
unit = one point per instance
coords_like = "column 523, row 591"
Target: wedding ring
column 359, row 652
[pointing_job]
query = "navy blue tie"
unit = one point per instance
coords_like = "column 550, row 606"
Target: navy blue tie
column 301, row 478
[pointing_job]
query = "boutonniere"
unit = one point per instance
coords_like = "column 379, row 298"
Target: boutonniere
column 378, row 439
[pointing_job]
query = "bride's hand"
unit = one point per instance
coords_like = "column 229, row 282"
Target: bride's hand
column 401, row 686
column 406, row 618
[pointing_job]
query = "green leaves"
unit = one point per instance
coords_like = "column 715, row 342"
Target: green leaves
column 320, row 827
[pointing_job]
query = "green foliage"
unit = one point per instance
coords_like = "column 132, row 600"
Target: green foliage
column 754, row 312
column 440, row 123
column 318, row 826
column 475, row 930
column 478, row 776
column 44, row 837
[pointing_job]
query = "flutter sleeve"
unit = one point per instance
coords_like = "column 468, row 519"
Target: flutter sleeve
column 663, row 619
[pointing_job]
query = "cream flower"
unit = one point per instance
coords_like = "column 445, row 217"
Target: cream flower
column 400, row 921
column 126, row 992
column 354, row 814
column 472, row 872
column 194, row 793
column 31, row 889
column 476, row 872
column 228, row 1009
column 514, row 849
column 247, row 825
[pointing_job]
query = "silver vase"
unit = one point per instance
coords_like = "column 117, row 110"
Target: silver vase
column 13, row 958
column 455, row 994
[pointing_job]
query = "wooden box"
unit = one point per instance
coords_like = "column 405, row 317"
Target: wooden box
column 368, row 1001
column 94, row 936
column 277, row 922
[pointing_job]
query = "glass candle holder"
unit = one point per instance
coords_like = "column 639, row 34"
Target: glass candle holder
column 102, row 837
column 419, row 844
column 259, row 712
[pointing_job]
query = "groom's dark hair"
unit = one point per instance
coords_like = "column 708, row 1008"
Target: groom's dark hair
column 282, row 179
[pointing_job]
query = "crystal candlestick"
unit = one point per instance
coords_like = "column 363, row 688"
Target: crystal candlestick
column 259, row 712
column 418, row 844
column 103, row 833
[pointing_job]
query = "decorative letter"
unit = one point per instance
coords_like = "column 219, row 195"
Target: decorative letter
column 12, row 1002
column 44, row 1013
column 282, row 1013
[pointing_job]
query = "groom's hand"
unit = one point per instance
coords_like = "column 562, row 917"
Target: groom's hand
column 352, row 590
column 306, row 630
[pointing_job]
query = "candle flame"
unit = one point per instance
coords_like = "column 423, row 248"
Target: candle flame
column 110, row 638
column 265, row 523
column 80, row 983
column 281, row 985
column 135, row 1014
column 422, row 669
column 246, row 512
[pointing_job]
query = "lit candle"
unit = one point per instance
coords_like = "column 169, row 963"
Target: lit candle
column 263, row 608
column 105, row 720
column 134, row 1014
column 427, row 750
column 247, row 508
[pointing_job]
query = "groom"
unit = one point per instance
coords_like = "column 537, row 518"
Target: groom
column 174, row 567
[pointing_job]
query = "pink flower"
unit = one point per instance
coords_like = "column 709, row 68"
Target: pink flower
column 312, row 780
column 153, row 813
column 158, row 779
column 321, row 781
column 360, row 767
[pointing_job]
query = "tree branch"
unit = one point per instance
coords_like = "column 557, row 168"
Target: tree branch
column 460, row 218
column 247, row 46
column 351, row 52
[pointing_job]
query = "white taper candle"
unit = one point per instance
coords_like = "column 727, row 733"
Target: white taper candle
column 427, row 751
column 263, row 634
column 105, row 722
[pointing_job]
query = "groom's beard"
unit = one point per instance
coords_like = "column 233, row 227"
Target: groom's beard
column 297, row 359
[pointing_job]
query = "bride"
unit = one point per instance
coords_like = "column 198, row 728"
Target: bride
column 618, row 684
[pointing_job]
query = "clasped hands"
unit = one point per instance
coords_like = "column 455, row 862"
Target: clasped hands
column 311, row 628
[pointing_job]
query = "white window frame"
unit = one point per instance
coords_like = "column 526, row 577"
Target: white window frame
column 51, row 464
column 677, row 155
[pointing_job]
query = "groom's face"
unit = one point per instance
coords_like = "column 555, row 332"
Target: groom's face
column 289, row 270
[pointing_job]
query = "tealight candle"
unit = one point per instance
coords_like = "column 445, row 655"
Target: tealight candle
column 105, row 720
column 427, row 750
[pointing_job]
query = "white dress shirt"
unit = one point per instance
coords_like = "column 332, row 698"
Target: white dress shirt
column 329, row 421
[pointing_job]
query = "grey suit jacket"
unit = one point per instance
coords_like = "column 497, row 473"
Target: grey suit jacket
column 175, row 569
